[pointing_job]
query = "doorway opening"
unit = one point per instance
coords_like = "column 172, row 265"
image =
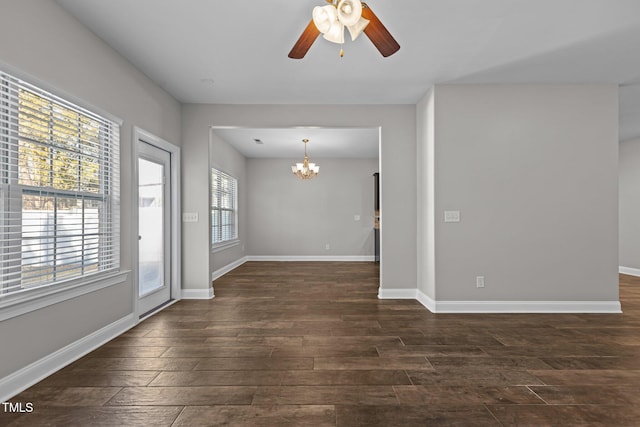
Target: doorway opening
column 332, row 217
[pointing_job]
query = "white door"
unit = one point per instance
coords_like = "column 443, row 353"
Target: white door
column 154, row 227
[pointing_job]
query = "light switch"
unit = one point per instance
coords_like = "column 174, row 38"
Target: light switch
column 451, row 216
column 190, row 217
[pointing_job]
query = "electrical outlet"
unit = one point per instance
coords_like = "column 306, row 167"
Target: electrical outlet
column 327, row 247
column 479, row 281
column 356, row 217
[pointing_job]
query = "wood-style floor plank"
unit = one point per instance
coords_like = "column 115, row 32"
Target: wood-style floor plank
column 310, row 344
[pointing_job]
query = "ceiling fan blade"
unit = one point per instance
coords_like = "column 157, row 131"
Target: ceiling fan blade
column 378, row 34
column 308, row 36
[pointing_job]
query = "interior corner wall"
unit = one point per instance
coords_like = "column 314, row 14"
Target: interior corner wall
column 227, row 159
column 196, row 246
column 397, row 169
column 89, row 70
column 291, row 217
column 630, row 205
column 533, row 170
column 425, row 122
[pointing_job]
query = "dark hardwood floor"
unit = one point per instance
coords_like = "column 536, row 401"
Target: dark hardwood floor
column 310, row 344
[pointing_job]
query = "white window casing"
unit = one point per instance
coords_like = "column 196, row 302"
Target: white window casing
column 224, row 209
column 59, row 192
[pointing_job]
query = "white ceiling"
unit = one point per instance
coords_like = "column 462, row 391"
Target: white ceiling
column 235, row 52
column 323, row 142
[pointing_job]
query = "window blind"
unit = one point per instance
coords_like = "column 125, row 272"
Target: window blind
column 223, row 207
column 59, row 189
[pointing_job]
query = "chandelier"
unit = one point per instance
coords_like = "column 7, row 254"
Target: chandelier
column 305, row 170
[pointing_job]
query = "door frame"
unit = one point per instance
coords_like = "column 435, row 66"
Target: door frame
column 140, row 135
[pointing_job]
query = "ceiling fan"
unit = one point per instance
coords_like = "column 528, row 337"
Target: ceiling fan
column 331, row 20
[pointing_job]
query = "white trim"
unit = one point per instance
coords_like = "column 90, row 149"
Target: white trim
column 224, row 245
column 528, row 307
column 141, row 135
column 58, row 293
column 630, row 271
column 426, row 301
column 341, row 258
column 198, row 293
column 24, row 378
column 227, row 268
column 429, row 303
column 396, row 293
column 501, row 306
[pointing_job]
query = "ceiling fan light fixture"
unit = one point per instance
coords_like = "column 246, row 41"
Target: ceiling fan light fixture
column 349, row 11
column 324, row 17
column 335, row 33
column 356, row 29
column 330, row 20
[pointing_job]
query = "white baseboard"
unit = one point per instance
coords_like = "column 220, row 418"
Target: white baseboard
column 630, row 271
column 501, row 306
column 24, row 378
column 340, row 258
column 415, row 294
column 198, row 293
column 227, row 268
column 397, row 293
column 425, row 300
column 528, row 307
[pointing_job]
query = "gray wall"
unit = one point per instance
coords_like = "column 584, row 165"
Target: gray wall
column 398, row 175
column 88, row 69
column 288, row 216
column 533, row 170
column 630, row 204
column 227, row 159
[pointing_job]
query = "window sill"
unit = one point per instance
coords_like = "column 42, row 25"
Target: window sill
column 36, row 299
column 223, row 246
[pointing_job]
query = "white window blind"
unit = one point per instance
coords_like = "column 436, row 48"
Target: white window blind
column 224, row 214
column 59, row 189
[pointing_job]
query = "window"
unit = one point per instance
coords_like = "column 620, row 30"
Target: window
column 59, row 190
column 224, row 209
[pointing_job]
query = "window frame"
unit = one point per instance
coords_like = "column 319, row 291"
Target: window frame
column 222, row 244
column 28, row 298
